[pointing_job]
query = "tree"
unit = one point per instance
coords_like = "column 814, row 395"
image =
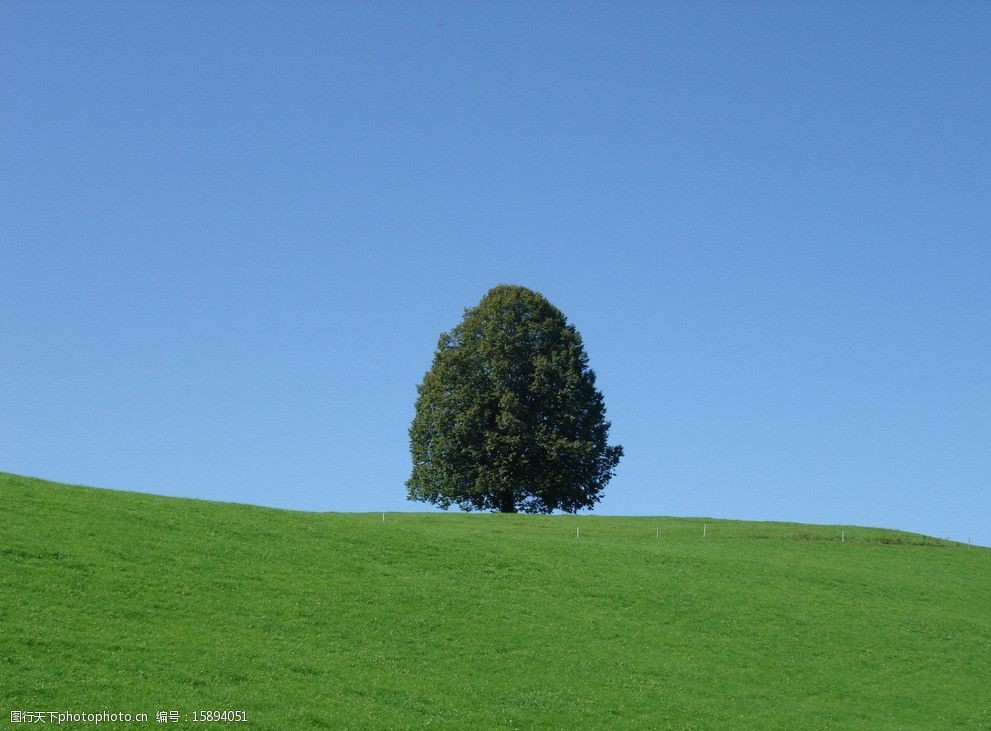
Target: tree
column 508, row 417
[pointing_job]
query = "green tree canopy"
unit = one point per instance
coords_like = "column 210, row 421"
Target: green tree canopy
column 508, row 417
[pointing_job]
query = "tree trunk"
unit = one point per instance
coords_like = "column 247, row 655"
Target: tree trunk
column 506, row 503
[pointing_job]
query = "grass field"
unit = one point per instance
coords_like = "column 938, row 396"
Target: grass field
column 124, row 602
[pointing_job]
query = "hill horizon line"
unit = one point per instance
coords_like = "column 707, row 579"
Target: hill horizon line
column 928, row 538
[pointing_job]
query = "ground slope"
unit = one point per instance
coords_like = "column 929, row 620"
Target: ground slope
column 113, row 601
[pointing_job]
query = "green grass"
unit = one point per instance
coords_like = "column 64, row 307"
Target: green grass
column 137, row 603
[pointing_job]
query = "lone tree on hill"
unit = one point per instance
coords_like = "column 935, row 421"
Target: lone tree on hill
column 508, row 417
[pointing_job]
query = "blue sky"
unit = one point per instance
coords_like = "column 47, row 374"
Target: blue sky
column 230, row 235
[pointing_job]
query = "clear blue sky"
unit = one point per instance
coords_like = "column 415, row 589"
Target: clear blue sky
column 230, row 234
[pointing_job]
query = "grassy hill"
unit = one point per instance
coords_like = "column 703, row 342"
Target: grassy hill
column 123, row 602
